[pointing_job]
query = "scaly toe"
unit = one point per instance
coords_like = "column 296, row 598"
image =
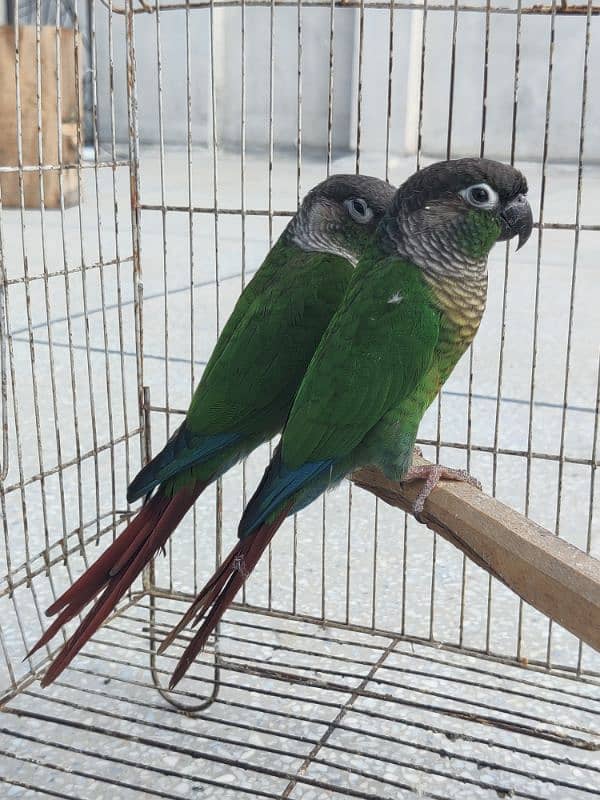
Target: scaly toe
column 418, row 508
column 432, row 474
column 460, row 475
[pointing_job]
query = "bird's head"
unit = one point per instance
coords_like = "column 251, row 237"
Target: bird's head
column 340, row 215
column 453, row 212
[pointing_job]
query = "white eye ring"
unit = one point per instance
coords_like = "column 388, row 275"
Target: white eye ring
column 480, row 196
column 359, row 210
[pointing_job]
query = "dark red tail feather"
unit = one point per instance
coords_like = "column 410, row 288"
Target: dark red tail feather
column 115, row 571
column 203, row 600
column 218, row 594
column 94, row 578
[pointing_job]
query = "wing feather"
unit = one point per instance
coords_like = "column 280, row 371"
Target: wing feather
column 248, row 384
column 372, row 356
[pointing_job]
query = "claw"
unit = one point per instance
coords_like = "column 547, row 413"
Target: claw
column 432, row 474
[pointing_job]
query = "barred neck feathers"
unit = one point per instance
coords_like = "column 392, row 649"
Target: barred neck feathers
column 319, row 234
column 453, row 262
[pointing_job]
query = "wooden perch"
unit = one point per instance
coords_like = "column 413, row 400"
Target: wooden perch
column 552, row 575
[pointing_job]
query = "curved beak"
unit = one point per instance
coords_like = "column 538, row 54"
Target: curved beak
column 516, row 219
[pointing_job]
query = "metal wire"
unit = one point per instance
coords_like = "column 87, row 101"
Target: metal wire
column 310, row 712
column 3, row 374
column 535, row 10
column 325, row 680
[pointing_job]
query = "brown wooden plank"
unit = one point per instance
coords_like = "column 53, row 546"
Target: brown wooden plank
column 51, row 128
column 552, row 575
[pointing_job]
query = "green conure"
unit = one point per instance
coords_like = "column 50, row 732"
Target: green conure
column 413, row 306
column 246, row 390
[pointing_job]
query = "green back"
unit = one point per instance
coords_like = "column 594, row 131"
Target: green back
column 267, row 343
column 248, row 385
column 377, row 348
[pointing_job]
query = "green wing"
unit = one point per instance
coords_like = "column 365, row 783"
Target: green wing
column 262, row 283
column 253, row 374
column 377, row 348
column 248, row 385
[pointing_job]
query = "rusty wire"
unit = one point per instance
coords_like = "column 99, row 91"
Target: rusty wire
column 339, row 680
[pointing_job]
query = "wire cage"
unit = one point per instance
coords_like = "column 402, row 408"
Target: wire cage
column 367, row 658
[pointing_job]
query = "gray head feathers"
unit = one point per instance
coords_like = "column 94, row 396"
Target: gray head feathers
column 450, row 177
column 324, row 222
column 436, row 224
column 377, row 193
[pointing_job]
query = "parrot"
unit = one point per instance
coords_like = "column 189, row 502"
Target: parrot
column 412, row 307
column 246, row 389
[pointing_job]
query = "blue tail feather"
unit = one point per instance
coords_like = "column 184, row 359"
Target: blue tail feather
column 183, row 451
column 278, row 485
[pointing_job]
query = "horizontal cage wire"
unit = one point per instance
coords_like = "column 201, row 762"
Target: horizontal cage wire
column 159, row 151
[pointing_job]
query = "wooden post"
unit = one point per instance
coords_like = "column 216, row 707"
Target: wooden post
column 552, row 575
column 52, row 128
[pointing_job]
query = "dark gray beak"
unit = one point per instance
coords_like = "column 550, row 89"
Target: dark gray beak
column 516, row 220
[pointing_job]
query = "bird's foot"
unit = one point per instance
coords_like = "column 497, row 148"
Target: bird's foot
column 432, row 474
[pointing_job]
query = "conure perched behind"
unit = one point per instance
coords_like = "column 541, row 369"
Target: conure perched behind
column 413, row 306
column 246, row 390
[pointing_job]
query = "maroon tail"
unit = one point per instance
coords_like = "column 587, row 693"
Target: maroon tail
column 218, row 594
column 114, row 572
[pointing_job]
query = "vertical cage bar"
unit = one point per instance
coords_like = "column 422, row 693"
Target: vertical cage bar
column 215, row 177
column 88, row 347
column 270, row 214
column 505, row 276
column 536, row 304
column 330, row 87
column 484, row 101
column 593, row 467
column 115, row 196
column 3, row 376
column 271, row 117
column 49, row 329
column 67, row 285
column 572, row 287
column 388, row 116
column 299, row 109
column 107, row 376
column 165, row 268
column 134, row 203
column 422, row 85
column 243, row 190
column 191, row 254
column 438, row 439
column 361, row 42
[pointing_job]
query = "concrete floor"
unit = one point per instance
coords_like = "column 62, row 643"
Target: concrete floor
column 413, row 586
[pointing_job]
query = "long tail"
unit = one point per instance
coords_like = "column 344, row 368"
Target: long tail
column 114, row 572
column 218, row 594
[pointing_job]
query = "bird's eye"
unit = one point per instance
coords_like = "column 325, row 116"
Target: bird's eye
column 480, row 196
column 359, row 210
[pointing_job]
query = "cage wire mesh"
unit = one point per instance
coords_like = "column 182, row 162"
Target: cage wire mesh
column 367, row 658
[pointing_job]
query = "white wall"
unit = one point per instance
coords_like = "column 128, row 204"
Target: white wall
column 315, row 40
column 228, row 69
column 173, row 66
column 405, row 80
column 566, row 97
